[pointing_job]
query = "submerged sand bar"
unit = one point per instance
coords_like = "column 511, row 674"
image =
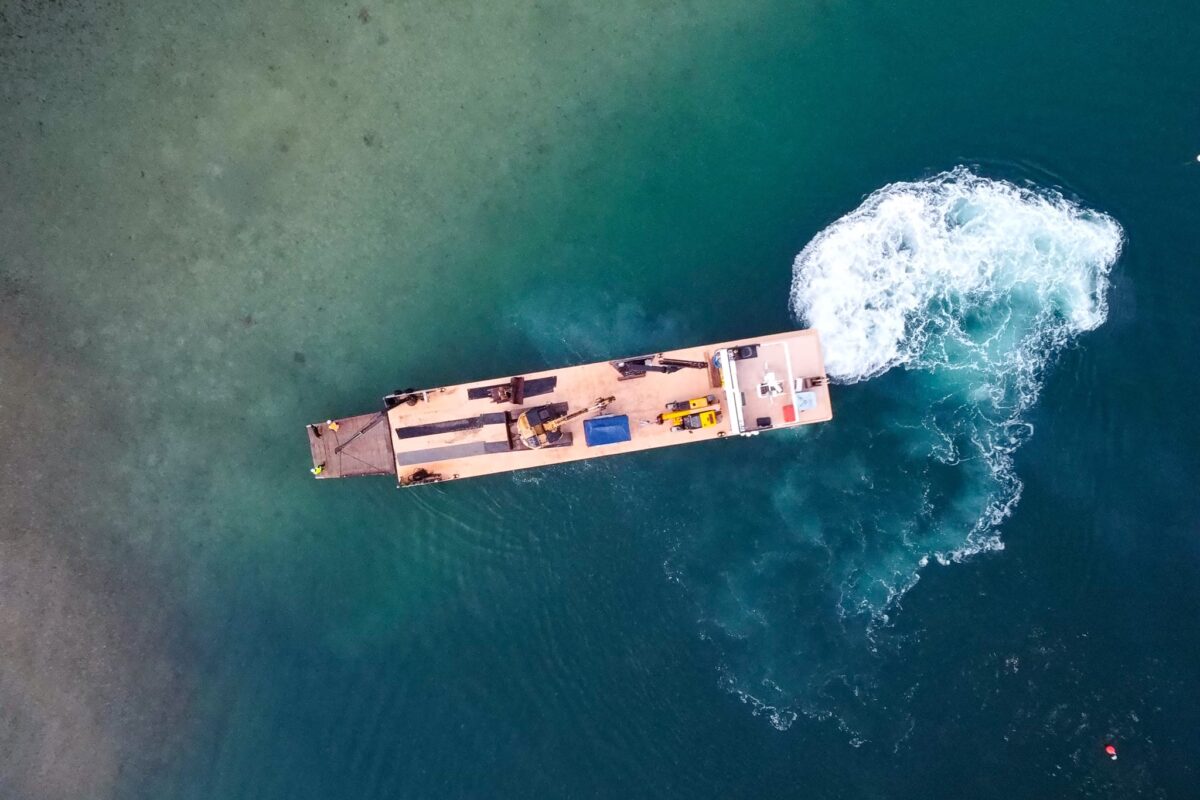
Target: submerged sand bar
column 431, row 435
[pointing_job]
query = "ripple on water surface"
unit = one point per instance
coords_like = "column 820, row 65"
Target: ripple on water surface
column 947, row 299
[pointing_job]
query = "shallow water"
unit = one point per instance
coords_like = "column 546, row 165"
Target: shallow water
column 221, row 222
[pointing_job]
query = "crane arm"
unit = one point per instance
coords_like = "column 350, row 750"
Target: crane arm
column 599, row 405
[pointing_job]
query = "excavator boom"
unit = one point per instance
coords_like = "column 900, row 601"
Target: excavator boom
column 535, row 433
column 557, row 423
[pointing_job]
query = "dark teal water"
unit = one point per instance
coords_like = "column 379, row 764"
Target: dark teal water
column 221, row 222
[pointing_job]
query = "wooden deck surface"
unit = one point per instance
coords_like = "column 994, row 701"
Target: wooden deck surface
column 793, row 358
column 367, row 454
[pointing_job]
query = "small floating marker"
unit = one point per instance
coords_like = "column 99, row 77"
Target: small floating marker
column 1111, row 750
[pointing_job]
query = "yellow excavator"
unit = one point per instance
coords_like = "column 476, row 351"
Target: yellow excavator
column 539, row 427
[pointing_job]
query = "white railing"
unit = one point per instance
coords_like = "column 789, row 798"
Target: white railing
column 733, row 393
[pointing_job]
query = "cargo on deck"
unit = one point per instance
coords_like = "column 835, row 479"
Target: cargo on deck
column 538, row 419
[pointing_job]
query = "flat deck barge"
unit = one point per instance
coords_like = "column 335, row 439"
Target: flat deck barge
column 738, row 388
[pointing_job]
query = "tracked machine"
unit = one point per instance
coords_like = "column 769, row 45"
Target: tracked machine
column 542, row 427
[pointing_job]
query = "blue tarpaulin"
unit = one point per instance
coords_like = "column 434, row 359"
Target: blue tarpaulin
column 606, row 430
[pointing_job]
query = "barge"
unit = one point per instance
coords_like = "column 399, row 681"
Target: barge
column 738, row 388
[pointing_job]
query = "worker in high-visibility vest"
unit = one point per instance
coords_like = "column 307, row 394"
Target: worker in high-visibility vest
column 318, row 469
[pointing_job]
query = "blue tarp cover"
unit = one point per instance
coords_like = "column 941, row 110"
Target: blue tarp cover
column 606, row 430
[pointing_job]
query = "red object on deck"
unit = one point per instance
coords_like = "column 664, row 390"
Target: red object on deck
column 789, row 413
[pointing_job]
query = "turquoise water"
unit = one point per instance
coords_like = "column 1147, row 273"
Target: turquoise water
column 222, row 222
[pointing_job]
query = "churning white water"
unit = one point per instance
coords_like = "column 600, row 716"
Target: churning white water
column 896, row 281
column 972, row 287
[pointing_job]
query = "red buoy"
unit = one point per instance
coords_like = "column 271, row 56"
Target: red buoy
column 1111, row 750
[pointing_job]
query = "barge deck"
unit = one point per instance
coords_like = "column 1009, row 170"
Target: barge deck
column 605, row 408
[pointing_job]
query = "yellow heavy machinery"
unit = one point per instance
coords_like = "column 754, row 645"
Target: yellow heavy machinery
column 688, row 410
column 696, row 420
column 693, row 404
column 539, row 427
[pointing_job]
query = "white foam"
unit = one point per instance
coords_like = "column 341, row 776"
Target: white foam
column 980, row 283
column 977, row 281
column 879, row 281
column 972, row 286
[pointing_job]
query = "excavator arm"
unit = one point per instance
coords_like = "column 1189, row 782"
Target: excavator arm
column 535, row 434
column 558, row 422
